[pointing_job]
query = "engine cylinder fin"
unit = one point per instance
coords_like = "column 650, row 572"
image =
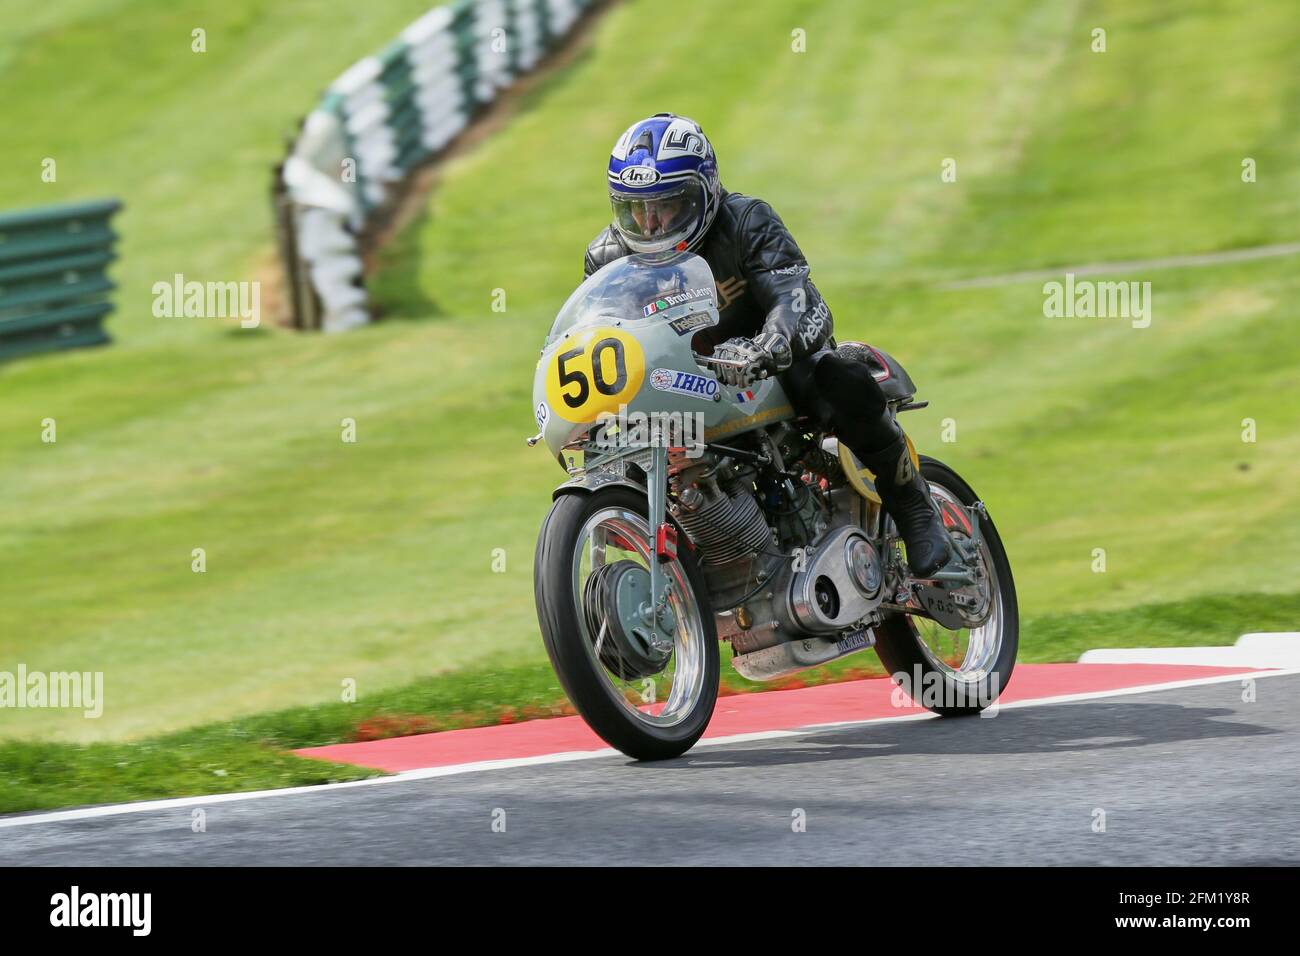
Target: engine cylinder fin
column 725, row 528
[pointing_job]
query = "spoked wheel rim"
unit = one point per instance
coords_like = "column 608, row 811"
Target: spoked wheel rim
column 618, row 534
column 967, row 655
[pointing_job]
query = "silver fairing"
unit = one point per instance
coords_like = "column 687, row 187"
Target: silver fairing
column 652, row 306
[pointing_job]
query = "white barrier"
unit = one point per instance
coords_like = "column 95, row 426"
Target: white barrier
column 385, row 115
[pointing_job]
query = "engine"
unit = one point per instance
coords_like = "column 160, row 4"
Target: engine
column 790, row 569
column 725, row 522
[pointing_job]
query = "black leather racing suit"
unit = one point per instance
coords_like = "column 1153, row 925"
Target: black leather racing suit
column 763, row 286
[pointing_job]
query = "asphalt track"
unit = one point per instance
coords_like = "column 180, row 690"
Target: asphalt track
column 1189, row 775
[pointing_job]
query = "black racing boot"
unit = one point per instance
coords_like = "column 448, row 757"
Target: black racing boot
column 906, row 496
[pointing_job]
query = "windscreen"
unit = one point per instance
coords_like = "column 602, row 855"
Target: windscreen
column 639, row 288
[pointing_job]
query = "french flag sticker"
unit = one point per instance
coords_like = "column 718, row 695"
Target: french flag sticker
column 745, row 396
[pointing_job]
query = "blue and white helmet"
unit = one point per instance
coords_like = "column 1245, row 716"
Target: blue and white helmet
column 663, row 184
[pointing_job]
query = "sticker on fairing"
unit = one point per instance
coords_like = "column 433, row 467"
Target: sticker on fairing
column 684, row 383
column 691, row 323
column 665, row 302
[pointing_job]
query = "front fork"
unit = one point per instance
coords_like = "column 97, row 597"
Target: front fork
column 655, row 612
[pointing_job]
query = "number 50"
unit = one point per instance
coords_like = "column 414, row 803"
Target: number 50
column 604, row 367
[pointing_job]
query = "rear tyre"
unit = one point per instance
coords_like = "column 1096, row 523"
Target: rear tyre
column 956, row 673
column 594, row 536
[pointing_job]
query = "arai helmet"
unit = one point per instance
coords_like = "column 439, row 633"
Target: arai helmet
column 663, row 184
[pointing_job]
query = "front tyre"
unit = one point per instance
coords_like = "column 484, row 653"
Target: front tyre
column 957, row 672
column 651, row 701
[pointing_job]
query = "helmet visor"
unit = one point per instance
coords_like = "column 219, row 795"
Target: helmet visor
column 660, row 220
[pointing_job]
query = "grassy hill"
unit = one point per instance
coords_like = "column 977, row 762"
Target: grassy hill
column 372, row 561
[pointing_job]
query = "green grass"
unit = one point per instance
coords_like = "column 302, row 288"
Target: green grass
column 372, row 561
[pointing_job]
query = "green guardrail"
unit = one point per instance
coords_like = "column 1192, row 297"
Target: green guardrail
column 54, row 287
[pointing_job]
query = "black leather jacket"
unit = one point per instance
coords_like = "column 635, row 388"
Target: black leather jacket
column 761, row 277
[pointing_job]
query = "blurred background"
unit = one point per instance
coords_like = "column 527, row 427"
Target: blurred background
column 373, row 561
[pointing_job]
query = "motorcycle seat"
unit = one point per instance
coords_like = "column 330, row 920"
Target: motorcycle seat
column 885, row 369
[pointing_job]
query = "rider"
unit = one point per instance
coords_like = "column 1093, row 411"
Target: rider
column 663, row 185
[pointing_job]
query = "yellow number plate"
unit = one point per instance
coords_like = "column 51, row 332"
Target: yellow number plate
column 594, row 372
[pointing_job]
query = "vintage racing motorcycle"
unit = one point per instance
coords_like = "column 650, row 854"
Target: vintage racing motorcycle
column 696, row 513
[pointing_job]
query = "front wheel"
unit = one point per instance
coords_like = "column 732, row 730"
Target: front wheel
column 646, row 693
column 957, row 672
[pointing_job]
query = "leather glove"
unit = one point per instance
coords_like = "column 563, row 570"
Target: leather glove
column 764, row 355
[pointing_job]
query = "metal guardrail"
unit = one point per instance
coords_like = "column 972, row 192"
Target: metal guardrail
column 382, row 118
column 54, row 287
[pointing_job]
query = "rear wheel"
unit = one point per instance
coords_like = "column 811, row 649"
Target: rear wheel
column 958, row 671
column 647, row 693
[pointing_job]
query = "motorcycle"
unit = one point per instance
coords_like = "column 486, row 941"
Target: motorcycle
column 697, row 514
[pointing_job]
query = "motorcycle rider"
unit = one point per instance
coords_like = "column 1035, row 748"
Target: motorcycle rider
column 665, row 194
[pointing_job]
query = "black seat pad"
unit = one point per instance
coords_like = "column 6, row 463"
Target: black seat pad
column 885, row 369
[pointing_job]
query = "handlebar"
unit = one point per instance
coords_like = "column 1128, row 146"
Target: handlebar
column 719, row 363
column 716, row 363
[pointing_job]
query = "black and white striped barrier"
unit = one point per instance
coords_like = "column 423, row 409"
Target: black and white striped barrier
column 385, row 116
